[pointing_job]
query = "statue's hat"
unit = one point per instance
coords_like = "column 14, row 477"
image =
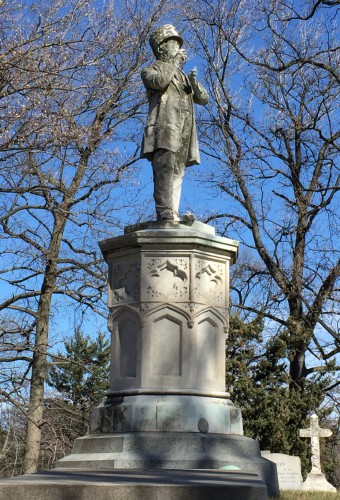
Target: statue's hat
column 164, row 33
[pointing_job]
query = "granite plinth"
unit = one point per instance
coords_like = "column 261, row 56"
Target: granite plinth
column 170, row 450
column 170, row 233
column 134, row 485
column 193, row 225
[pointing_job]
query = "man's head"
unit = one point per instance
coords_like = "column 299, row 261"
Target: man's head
column 165, row 42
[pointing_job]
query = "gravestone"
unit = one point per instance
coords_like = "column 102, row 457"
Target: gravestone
column 288, row 470
column 316, row 479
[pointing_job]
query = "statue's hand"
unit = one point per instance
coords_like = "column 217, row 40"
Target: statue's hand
column 193, row 77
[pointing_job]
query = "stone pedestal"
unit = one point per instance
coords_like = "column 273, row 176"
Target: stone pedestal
column 316, row 481
column 168, row 317
column 168, row 302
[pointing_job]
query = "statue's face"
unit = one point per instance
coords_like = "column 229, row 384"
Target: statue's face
column 169, row 49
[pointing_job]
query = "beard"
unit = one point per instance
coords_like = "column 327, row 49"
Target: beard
column 171, row 57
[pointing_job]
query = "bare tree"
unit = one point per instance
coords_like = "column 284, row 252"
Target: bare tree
column 272, row 141
column 70, row 87
column 12, row 441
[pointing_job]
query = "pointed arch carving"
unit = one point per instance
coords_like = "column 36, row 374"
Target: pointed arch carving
column 168, row 307
column 214, row 314
column 126, row 340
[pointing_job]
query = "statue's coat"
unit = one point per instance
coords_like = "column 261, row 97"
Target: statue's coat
column 164, row 83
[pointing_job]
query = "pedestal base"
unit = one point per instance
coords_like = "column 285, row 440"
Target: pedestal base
column 132, row 485
column 170, row 450
column 166, row 413
column 316, row 481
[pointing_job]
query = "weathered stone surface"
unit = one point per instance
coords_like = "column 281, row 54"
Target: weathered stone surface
column 316, row 479
column 168, row 301
column 167, row 407
column 170, row 450
column 163, row 413
column 288, row 470
column 132, row 485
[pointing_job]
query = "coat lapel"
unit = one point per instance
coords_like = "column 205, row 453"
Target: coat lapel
column 176, row 81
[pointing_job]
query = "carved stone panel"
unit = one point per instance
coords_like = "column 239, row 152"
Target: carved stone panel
column 207, row 343
column 124, row 282
column 167, row 279
column 128, row 331
column 210, row 282
column 125, row 350
column 166, row 347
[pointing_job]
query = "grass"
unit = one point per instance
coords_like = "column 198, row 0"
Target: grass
column 308, row 495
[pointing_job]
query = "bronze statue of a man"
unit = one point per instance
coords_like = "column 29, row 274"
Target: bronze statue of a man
column 170, row 138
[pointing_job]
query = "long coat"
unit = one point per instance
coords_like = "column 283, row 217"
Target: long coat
column 166, row 85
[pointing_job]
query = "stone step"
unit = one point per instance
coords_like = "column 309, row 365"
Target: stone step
column 135, row 484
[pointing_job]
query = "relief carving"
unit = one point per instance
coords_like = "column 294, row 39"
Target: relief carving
column 120, row 294
column 191, row 307
column 125, row 281
column 144, row 307
column 168, row 279
column 209, row 281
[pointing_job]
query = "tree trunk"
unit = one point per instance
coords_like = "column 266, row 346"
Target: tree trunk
column 39, row 363
column 298, row 342
column 39, row 368
column 297, row 369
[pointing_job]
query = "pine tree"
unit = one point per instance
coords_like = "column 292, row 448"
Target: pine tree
column 82, row 374
column 256, row 375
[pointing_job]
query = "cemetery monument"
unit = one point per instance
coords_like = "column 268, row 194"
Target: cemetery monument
column 316, row 479
column 167, row 411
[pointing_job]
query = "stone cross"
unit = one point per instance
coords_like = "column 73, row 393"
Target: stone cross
column 315, row 433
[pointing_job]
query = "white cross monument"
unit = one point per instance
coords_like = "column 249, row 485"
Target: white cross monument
column 315, row 479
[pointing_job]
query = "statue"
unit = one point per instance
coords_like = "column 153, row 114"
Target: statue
column 170, row 138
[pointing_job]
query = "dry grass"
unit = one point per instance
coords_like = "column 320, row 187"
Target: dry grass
column 309, row 495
